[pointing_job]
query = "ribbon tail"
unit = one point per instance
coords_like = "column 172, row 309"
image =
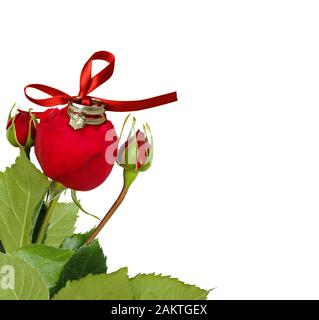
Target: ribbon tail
column 136, row 105
column 58, row 97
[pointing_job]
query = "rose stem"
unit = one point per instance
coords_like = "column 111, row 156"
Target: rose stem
column 46, row 220
column 109, row 214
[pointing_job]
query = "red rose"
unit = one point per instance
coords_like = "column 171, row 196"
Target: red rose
column 75, row 158
column 21, row 129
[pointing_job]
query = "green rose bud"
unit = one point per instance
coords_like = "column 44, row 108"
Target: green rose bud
column 136, row 153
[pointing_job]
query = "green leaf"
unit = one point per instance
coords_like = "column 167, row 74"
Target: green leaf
column 88, row 259
column 112, row 286
column 49, row 261
column 27, row 282
column 61, row 224
column 22, row 190
column 76, row 241
column 158, row 287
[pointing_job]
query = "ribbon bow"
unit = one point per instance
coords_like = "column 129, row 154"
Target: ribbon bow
column 89, row 83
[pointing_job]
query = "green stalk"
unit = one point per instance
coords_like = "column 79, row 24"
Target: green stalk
column 129, row 177
column 108, row 216
column 46, row 220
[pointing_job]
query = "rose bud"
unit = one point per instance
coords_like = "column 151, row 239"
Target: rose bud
column 21, row 129
column 75, row 158
column 135, row 155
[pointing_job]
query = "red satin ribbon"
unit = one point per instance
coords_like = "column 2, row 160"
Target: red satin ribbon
column 89, row 83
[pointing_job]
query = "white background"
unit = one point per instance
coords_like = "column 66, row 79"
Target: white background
column 231, row 200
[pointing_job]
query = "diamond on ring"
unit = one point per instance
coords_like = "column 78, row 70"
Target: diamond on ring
column 77, row 121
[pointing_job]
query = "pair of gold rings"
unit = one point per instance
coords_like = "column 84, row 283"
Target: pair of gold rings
column 81, row 115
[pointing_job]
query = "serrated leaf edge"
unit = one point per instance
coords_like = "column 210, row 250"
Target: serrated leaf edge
column 153, row 274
